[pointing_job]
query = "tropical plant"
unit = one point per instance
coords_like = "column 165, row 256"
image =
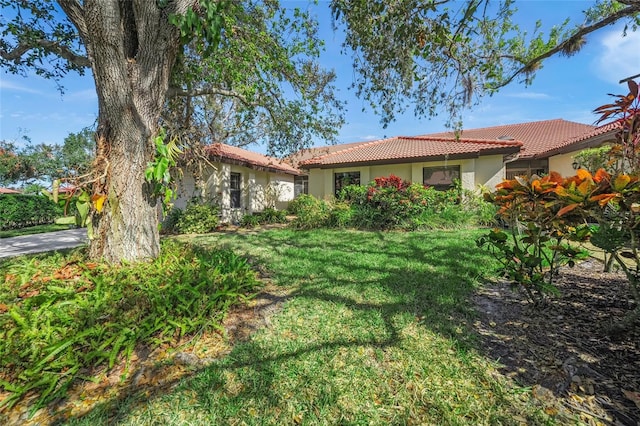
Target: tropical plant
column 59, row 322
column 534, row 245
column 544, row 211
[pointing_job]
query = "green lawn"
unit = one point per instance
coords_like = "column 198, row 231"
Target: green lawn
column 376, row 331
column 39, row 229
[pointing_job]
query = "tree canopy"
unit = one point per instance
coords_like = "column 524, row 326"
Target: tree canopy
column 441, row 55
column 25, row 163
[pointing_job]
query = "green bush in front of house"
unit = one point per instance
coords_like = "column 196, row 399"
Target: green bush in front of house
column 393, row 203
column 197, row 218
column 266, row 217
column 19, row 211
column 310, row 212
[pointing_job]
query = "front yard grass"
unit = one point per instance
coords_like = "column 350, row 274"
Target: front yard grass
column 376, row 330
column 38, row 229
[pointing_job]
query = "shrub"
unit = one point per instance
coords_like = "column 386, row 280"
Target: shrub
column 310, row 212
column 265, row 217
column 300, row 203
column 250, row 221
column 271, row 215
column 534, row 246
column 20, row 211
column 170, row 223
column 340, row 215
column 61, row 315
column 393, row 203
column 198, row 218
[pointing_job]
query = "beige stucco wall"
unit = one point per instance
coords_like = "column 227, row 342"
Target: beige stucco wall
column 562, row 164
column 485, row 171
column 490, row 171
column 259, row 190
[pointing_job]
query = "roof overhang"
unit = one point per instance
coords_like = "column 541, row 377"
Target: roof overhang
column 578, row 146
column 251, row 165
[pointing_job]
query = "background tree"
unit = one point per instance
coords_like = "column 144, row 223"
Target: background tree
column 77, row 153
column 42, row 163
column 263, row 85
column 28, row 164
column 242, row 95
column 9, row 163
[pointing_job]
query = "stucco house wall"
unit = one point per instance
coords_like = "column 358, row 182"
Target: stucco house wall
column 259, row 190
column 562, row 163
column 485, row 171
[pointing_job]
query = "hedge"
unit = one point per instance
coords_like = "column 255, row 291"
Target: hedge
column 20, row 211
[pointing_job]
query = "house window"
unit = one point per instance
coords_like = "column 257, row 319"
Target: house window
column 440, row 178
column 345, row 178
column 300, row 185
column 235, row 190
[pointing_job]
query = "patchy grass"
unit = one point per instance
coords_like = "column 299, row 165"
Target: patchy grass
column 39, row 229
column 376, row 331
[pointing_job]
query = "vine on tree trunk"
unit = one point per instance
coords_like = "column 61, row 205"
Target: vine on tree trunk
column 158, row 171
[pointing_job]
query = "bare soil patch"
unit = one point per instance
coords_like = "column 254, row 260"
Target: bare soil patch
column 565, row 350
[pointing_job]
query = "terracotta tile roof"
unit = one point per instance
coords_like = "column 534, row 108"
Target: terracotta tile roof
column 537, row 137
column 308, row 153
column 8, row 191
column 592, row 138
column 410, row 149
column 254, row 160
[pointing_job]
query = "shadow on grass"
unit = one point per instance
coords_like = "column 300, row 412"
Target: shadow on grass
column 387, row 280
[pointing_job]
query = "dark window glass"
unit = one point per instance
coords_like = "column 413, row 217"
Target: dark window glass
column 300, row 185
column 236, row 190
column 345, row 178
column 440, row 178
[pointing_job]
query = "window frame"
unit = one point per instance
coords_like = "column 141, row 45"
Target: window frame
column 339, row 177
column 235, row 194
column 441, row 187
column 300, row 185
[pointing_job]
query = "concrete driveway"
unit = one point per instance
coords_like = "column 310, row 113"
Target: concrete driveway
column 37, row 243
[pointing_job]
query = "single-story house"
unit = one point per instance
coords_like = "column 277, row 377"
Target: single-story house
column 476, row 157
column 240, row 182
column 434, row 161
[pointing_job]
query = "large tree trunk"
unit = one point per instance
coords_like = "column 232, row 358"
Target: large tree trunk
column 132, row 48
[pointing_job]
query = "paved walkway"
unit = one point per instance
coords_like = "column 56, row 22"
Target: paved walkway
column 37, row 243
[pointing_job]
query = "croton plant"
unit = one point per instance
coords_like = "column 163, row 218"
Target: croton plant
column 543, row 215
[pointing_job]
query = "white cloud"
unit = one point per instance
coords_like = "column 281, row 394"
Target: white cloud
column 528, row 95
column 369, row 138
column 620, row 57
column 8, row 85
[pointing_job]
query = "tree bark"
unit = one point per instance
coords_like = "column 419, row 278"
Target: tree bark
column 132, row 48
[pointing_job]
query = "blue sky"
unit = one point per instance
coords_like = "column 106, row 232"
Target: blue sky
column 568, row 88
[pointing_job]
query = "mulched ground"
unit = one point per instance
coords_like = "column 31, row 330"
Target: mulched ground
column 565, row 350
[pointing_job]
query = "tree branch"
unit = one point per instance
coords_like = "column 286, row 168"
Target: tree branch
column 60, row 50
column 634, row 7
column 75, row 13
column 175, row 91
